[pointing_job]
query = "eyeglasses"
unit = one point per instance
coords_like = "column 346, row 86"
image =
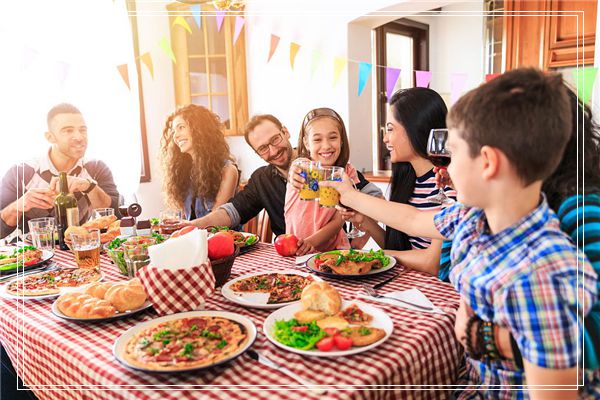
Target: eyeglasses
column 321, row 112
column 275, row 141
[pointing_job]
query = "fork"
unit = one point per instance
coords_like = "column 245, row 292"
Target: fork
column 373, row 293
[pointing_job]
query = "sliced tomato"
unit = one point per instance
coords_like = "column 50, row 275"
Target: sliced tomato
column 302, row 328
column 325, row 344
column 341, row 342
column 331, row 331
column 183, row 231
column 318, row 262
column 30, row 262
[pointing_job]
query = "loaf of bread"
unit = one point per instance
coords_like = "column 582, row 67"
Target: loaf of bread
column 100, row 223
column 321, row 296
column 126, row 296
column 98, row 289
column 82, row 305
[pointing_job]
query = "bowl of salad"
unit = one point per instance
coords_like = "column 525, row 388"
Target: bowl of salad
column 115, row 248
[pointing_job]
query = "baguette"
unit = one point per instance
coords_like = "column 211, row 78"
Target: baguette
column 100, row 223
column 82, row 305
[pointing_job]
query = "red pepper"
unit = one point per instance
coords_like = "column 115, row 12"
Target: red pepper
column 300, row 328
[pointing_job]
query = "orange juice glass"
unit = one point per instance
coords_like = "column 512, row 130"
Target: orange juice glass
column 310, row 173
column 329, row 197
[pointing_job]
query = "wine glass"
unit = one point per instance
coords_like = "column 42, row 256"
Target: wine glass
column 440, row 157
column 354, row 232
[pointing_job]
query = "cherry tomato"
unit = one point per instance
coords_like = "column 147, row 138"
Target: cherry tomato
column 331, row 331
column 341, row 342
column 183, row 231
column 302, row 328
column 325, row 344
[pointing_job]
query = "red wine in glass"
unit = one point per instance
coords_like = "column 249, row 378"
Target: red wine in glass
column 441, row 161
column 440, row 157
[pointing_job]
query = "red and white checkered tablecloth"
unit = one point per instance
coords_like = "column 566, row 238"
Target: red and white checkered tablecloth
column 64, row 360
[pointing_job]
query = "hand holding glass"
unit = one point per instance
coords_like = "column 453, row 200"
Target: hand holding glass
column 440, row 157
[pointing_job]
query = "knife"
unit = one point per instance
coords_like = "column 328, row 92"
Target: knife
column 391, row 278
column 265, row 361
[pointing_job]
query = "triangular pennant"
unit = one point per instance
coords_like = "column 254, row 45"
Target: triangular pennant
column 123, row 70
column 29, row 56
column 147, row 60
column 183, row 23
column 315, row 59
column 391, row 77
column 239, row 24
column 489, row 77
column 457, row 84
column 62, row 70
column 274, row 43
column 364, row 71
column 220, row 15
column 584, row 78
column 423, row 78
column 294, row 47
column 196, row 11
column 338, row 66
column 166, row 47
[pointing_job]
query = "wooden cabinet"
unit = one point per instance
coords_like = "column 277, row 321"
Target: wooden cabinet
column 210, row 70
column 545, row 35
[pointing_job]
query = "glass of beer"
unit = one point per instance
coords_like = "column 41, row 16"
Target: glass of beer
column 329, row 197
column 310, row 173
column 169, row 221
column 86, row 248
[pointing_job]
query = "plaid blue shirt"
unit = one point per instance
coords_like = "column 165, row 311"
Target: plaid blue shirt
column 526, row 279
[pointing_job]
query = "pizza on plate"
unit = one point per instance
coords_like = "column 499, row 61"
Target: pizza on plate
column 50, row 282
column 185, row 343
column 282, row 288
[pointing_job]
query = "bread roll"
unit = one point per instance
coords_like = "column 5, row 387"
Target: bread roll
column 321, row 296
column 126, row 296
column 82, row 305
column 98, row 289
column 78, row 230
column 115, row 226
column 100, row 223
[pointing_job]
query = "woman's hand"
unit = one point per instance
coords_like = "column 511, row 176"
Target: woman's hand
column 344, row 187
column 294, row 176
column 305, row 248
column 356, row 218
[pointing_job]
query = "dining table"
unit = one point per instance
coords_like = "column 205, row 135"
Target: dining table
column 59, row 359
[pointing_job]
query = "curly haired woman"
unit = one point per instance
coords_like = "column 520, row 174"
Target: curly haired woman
column 199, row 174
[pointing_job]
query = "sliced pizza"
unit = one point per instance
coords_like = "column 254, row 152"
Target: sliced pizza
column 50, row 282
column 282, row 288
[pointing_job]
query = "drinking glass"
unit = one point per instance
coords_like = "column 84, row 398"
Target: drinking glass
column 329, row 197
column 440, row 157
column 169, row 221
column 136, row 255
column 309, row 170
column 102, row 212
column 42, row 233
column 86, row 248
column 354, row 232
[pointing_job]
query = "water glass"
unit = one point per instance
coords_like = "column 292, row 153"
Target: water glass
column 102, row 212
column 86, row 248
column 42, row 233
column 136, row 255
column 169, row 221
column 329, row 197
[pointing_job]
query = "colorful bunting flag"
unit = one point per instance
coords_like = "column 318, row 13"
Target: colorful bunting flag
column 338, row 66
column 584, row 79
column 62, row 70
column 166, row 47
column 123, row 70
column 391, row 77
column 220, row 16
column 364, row 71
column 314, row 62
column 423, row 78
column 457, row 84
column 294, row 47
column 183, row 23
column 274, row 44
column 147, row 60
column 239, row 24
column 196, row 11
column 489, row 77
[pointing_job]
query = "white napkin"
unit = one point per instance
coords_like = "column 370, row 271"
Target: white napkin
column 300, row 260
column 411, row 295
column 184, row 251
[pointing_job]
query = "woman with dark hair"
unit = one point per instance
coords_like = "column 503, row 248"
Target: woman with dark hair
column 412, row 114
column 199, row 174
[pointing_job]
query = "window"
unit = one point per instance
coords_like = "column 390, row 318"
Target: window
column 401, row 44
column 493, row 31
column 211, row 69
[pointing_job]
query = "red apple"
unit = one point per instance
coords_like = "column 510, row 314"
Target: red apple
column 286, row 245
column 220, row 245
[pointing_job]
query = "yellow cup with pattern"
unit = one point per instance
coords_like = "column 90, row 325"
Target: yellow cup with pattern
column 329, row 197
column 310, row 171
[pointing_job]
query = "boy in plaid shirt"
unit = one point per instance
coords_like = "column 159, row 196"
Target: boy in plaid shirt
column 511, row 263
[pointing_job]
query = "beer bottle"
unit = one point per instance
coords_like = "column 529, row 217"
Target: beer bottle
column 63, row 206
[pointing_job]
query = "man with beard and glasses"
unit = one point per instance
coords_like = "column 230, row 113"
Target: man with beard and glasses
column 28, row 189
column 266, row 187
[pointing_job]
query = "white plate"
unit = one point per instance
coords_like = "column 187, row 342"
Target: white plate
column 380, row 320
column 258, row 300
column 311, row 265
column 118, row 315
column 46, row 255
column 5, row 295
column 121, row 343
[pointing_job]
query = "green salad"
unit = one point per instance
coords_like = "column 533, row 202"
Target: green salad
column 297, row 335
column 358, row 256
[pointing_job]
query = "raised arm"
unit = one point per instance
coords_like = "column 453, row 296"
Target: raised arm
column 228, row 186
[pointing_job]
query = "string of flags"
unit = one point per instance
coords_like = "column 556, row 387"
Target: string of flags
column 583, row 77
